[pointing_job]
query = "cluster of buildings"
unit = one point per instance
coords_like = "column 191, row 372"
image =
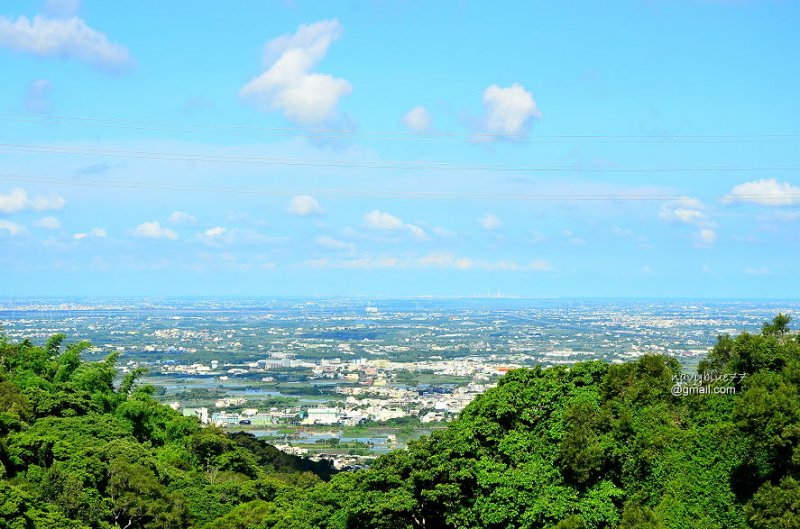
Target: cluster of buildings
column 358, row 390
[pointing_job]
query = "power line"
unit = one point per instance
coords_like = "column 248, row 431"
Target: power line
column 128, row 184
column 426, row 165
column 167, row 126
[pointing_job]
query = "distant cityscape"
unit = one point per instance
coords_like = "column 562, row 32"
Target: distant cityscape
column 349, row 379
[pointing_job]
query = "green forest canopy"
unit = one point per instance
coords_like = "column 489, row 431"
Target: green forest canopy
column 588, row 446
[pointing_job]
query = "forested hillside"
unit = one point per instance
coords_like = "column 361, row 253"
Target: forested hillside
column 589, row 446
column 77, row 452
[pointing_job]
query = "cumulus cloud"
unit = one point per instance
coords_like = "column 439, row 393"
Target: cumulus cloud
column 766, row 192
column 18, row 200
column 37, row 96
column 216, row 231
column 689, row 210
column 11, row 228
column 304, row 206
column 219, row 236
column 48, row 223
column 490, row 222
column 417, row 232
column 331, row 243
column 97, row 233
column 380, row 220
column 686, row 210
column 68, row 38
column 289, row 86
column 181, row 218
column 154, row 230
column 509, row 110
column 705, row 237
column 417, row 120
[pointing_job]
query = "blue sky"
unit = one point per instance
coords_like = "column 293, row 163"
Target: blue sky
column 626, row 148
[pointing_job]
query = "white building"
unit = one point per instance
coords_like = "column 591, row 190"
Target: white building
column 322, row 416
column 200, row 413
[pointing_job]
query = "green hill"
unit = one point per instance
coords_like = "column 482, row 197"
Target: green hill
column 594, row 445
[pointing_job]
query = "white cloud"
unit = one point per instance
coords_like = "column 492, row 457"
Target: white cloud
column 689, row 216
column 509, row 110
column 417, row 120
column 756, row 271
column 380, row 220
column 11, row 228
column 98, row 233
column 766, row 192
column 304, row 206
column 219, row 236
column 154, row 230
column 689, row 210
column 490, row 222
column 48, row 223
column 379, row 262
column 445, row 260
column 181, row 218
column 288, row 85
column 686, row 210
column 705, row 237
column 540, row 265
column 216, row 231
column 417, row 232
column 69, row 38
column 334, row 244
column 18, row 200
column 46, row 202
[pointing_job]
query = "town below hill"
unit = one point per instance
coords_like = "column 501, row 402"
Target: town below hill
column 639, row 444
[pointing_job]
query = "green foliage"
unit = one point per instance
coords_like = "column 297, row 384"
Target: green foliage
column 779, row 325
column 776, row 506
column 591, row 446
column 76, row 452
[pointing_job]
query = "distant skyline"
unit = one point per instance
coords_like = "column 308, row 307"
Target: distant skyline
column 591, row 149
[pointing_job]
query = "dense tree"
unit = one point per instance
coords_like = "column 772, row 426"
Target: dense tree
column 590, row 446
